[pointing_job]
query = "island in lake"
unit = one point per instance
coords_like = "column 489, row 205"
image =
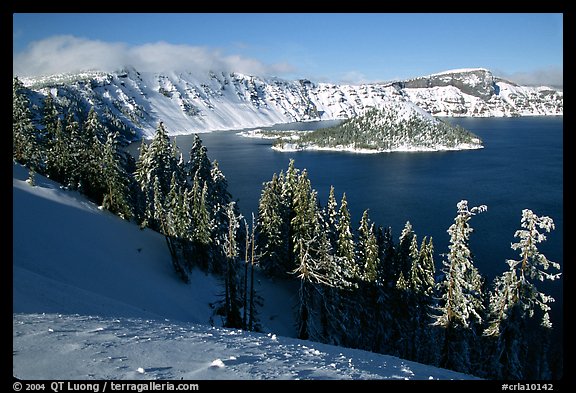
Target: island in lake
column 399, row 126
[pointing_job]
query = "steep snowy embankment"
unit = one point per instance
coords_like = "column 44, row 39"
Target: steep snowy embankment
column 95, row 297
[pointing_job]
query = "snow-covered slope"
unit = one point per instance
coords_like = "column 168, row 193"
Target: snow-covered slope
column 187, row 103
column 477, row 93
column 56, row 346
column 95, row 297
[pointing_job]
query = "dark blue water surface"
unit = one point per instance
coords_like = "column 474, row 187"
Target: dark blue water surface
column 521, row 167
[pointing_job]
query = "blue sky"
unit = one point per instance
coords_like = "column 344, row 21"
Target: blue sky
column 323, row 47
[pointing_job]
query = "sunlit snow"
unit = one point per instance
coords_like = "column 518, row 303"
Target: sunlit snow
column 95, row 297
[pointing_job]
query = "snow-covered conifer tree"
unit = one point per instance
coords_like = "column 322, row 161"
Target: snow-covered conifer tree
column 461, row 305
column 25, row 148
column 516, row 299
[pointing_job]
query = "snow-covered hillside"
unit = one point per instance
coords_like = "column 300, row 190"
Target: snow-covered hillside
column 397, row 126
column 95, row 297
column 189, row 104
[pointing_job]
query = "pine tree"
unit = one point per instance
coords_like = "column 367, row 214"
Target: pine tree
column 305, row 229
column 332, row 218
column 345, row 246
column 59, row 158
column 25, row 146
column 370, row 284
column 176, row 224
column 91, row 155
column 289, row 185
column 367, row 249
column 387, row 254
column 50, row 119
column 117, row 190
column 422, row 336
column 406, row 252
column 233, row 300
column 254, row 299
column 516, row 299
column 311, row 263
column 348, row 271
column 198, row 163
column 273, row 229
column 218, row 200
column 461, row 303
column 156, row 161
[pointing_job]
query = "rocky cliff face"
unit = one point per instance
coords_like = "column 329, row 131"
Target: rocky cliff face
column 187, row 103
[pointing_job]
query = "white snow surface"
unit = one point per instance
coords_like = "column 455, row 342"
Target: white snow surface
column 188, row 103
column 95, row 297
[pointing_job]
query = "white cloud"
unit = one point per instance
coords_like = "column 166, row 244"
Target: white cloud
column 61, row 54
column 552, row 76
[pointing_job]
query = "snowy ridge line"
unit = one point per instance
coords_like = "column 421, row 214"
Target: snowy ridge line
column 188, row 103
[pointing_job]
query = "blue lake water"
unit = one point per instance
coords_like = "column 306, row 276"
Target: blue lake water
column 521, row 167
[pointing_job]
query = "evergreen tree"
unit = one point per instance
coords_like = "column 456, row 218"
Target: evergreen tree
column 367, row 249
column 305, row 229
column 201, row 225
column 370, row 285
column 117, row 189
column 420, row 302
column 311, row 262
column 254, row 299
column 345, row 247
column 156, row 161
column 49, row 118
column 289, row 186
column 407, row 252
column 461, row 302
column 387, row 254
column 273, row 229
column 49, row 121
column 25, row 147
column 348, row 319
column 59, row 157
column 90, row 152
column 177, row 225
column 516, row 299
column 218, row 200
column 332, row 218
column 233, row 300
column 74, row 158
column 198, row 163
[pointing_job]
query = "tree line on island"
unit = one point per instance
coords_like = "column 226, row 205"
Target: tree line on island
column 383, row 129
column 358, row 287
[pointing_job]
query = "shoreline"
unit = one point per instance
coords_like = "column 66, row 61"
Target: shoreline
column 404, row 149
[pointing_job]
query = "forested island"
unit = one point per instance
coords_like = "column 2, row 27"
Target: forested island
column 386, row 129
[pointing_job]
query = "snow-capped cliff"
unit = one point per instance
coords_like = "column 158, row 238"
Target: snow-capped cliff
column 189, row 104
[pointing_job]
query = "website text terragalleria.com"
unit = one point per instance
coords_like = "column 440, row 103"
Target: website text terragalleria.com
column 104, row 386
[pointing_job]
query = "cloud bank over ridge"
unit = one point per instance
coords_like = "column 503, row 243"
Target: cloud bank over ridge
column 66, row 53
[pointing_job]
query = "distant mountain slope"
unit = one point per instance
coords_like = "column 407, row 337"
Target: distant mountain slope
column 187, row 103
